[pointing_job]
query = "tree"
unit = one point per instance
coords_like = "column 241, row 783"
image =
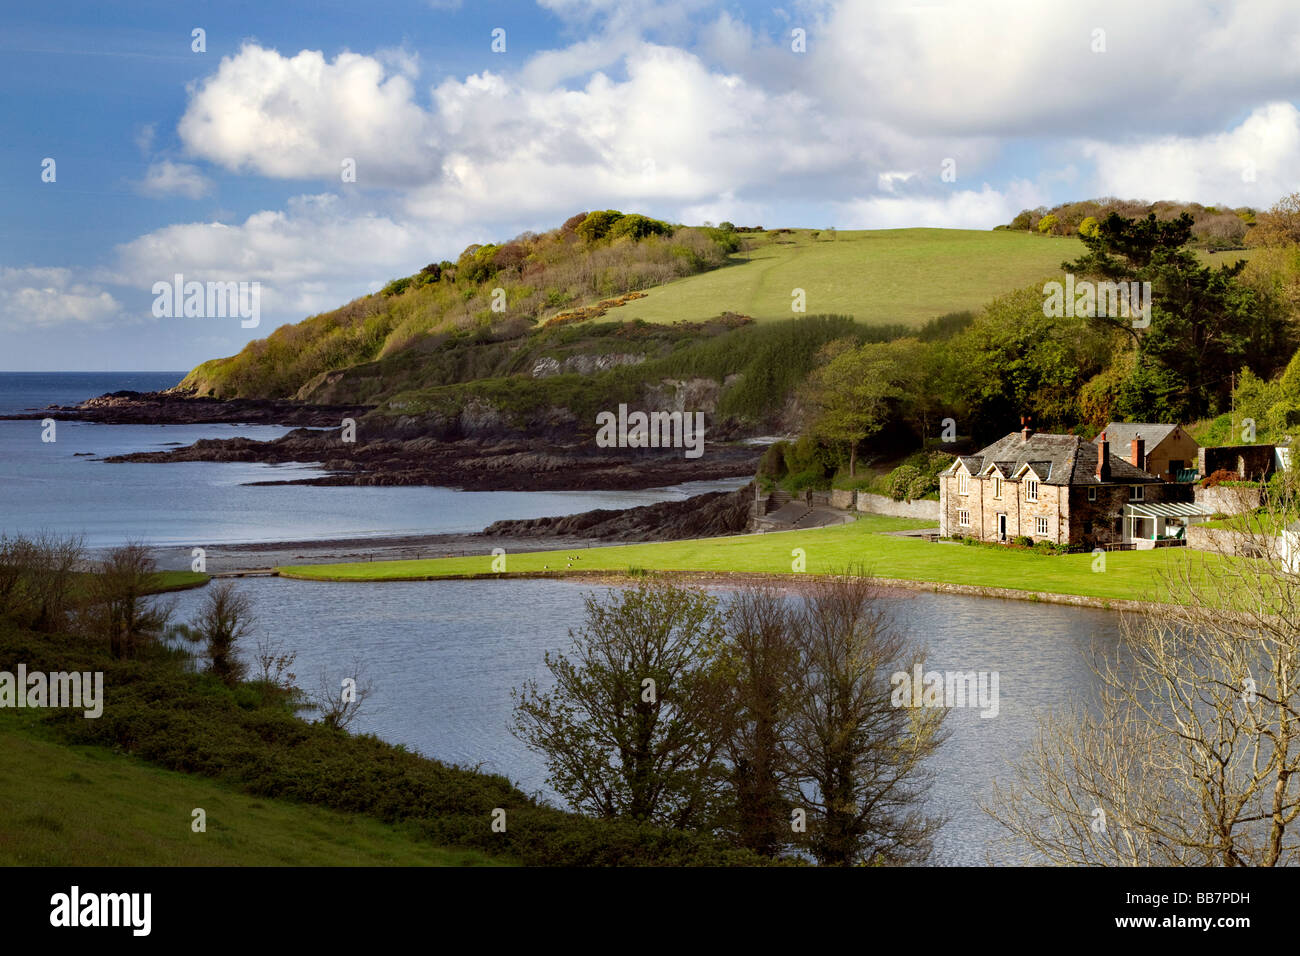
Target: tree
column 224, row 618
column 1202, row 320
column 851, row 393
column 760, row 661
column 119, row 604
column 338, row 702
column 1190, row 755
column 631, row 728
column 854, row 758
column 1280, row 226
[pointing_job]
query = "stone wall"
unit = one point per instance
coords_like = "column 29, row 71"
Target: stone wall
column 840, row 498
column 1250, row 462
column 1228, row 499
column 924, row 508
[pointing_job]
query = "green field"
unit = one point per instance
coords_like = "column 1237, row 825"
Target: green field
column 1128, row 575
column 86, row 806
column 875, row 275
column 879, row 275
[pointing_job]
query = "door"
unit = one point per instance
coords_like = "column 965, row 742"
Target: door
column 1002, row 527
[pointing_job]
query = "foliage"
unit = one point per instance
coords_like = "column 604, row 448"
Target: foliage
column 629, row 729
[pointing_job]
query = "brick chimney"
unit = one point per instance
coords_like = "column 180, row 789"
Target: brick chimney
column 1103, row 458
column 1025, row 429
column 1137, row 452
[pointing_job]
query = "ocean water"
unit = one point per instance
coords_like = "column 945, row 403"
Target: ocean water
column 64, row 486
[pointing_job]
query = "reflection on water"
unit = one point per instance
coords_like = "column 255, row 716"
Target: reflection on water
column 444, row 656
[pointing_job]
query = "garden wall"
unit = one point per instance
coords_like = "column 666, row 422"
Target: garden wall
column 881, row 505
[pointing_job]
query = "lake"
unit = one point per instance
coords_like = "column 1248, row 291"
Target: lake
column 443, row 657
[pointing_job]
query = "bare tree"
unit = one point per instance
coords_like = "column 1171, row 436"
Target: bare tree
column 856, row 760
column 120, row 607
column 224, row 618
column 1190, row 756
column 338, row 701
column 273, row 664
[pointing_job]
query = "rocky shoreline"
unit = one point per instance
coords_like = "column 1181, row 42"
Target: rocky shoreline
column 471, row 463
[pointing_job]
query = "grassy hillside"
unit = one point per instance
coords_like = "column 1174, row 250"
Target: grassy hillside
column 87, row 806
column 886, row 275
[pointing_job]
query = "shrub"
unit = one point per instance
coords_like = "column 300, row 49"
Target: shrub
column 1222, row 476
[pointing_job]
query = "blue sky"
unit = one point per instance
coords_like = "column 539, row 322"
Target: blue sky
column 225, row 165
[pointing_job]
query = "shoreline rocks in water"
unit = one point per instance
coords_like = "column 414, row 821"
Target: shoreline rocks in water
column 396, row 456
column 701, row 516
column 184, row 408
column 468, row 464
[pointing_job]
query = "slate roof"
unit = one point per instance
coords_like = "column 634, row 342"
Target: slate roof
column 1122, row 433
column 1058, row 460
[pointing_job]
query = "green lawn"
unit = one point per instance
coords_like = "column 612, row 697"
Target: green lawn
column 1132, row 575
column 880, row 275
column 86, row 806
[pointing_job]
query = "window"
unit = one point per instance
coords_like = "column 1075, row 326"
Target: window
column 1092, row 494
column 1031, row 489
column 1135, row 492
column 963, row 518
column 997, row 487
column 963, row 483
column 1040, row 526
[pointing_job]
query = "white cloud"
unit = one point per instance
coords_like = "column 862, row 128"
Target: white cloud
column 319, row 253
column 302, row 116
column 166, row 178
column 1254, row 163
column 962, row 209
column 44, row 297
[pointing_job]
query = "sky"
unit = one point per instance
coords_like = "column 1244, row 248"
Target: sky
column 320, row 149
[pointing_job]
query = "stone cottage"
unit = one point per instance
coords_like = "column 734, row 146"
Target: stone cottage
column 1058, row 488
column 1159, row 449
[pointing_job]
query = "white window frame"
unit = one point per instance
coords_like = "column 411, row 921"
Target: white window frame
column 997, row 486
column 963, row 482
column 1031, row 489
column 1040, row 526
column 963, row 517
column 1092, row 494
column 1136, row 492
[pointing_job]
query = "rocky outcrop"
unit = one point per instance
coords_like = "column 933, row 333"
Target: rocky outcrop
column 476, row 465
column 547, row 366
column 701, row 516
column 184, row 408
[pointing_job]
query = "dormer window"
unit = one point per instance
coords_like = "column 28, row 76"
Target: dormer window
column 1031, row 489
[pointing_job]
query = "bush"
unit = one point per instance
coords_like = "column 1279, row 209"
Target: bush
column 1220, row 477
column 772, row 464
column 1024, row 541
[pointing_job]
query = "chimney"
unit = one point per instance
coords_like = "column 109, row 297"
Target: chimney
column 1025, row 429
column 1103, row 458
column 1137, row 452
